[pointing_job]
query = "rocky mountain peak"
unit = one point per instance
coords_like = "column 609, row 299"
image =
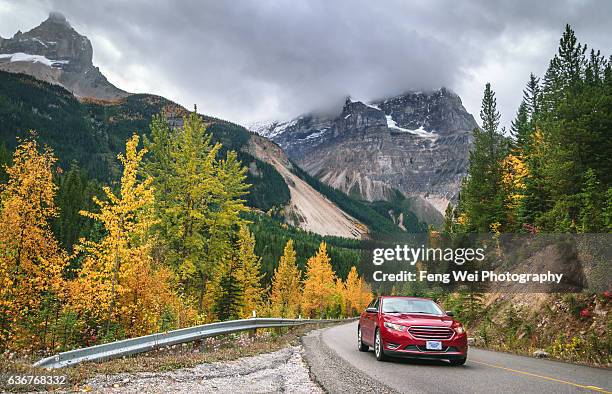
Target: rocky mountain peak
column 54, row 39
column 55, row 52
column 357, row 115
column 438, row 111
column 416, row 143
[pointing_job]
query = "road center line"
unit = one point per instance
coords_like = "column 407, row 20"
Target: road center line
column 594, row 388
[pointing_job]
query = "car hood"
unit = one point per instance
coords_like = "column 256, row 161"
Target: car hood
column 418, row 319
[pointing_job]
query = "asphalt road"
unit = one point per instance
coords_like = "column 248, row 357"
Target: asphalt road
column 484, row 372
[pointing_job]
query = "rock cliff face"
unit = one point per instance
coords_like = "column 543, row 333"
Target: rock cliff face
column 417, row 143
column 56, row 53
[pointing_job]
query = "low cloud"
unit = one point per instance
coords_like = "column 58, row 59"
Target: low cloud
column 257, row 60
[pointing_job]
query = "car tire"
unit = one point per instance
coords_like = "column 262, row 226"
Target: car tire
column 360, row 345
column 379, row 347
column 458, row 361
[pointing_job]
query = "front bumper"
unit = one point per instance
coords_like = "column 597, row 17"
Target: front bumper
column 426, row 355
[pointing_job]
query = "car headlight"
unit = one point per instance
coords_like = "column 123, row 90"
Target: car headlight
column 393, row 326
column 459, row 330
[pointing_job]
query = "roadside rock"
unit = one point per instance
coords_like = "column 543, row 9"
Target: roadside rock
column 540, row 354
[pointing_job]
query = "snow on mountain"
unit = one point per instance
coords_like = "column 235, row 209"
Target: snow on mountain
column 270, row 129
column 420, row 131
column 26, row 57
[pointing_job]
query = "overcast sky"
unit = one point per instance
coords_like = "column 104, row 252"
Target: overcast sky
column 260, row 60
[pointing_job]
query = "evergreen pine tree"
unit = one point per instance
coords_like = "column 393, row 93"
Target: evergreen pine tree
column 571, row 56
column 449, row 219
column 482, row 197
column 75, row 194
column 5, row 159
column 531, row 97
column 229, row 299
column 535, row 200
column 591, row 211
column 521, row 127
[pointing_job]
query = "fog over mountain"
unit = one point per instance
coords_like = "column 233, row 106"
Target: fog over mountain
column 251, row 60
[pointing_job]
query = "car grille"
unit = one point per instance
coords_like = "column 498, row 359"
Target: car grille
column 433, row 333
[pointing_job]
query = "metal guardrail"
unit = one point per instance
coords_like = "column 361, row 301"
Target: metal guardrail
column 147, row 343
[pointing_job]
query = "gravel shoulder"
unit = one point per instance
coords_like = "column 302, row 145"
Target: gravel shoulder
column 333, row 373
column 279, row 371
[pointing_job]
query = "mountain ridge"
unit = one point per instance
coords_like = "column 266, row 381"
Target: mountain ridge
column 416, row 143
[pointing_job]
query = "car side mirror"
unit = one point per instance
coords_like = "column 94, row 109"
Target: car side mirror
column 450, row 313
column 371, row 310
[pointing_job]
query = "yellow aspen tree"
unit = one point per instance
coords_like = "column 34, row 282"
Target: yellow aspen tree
column 352, row 293
column 31, row 261
column 514, row 173
column 339, row 299
column 118, row 283
column 319, row 285
column 357, row 294
column 286, row 285
column 249, row 274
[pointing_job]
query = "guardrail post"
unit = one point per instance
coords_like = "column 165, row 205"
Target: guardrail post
column 200, row 344
column 253, row 332
column 278, row 330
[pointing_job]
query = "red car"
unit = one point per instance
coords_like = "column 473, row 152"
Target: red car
column 411, row 327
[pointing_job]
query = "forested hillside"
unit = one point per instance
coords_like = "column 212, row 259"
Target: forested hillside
column 90, row 134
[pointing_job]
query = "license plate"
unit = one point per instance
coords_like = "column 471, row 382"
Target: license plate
column 433, row 345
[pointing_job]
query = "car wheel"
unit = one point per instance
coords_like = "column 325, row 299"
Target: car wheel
column 378, row 347
column 360, row 345
column 458, row 361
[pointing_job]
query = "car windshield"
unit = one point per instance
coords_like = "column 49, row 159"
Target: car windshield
column 406, row 305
